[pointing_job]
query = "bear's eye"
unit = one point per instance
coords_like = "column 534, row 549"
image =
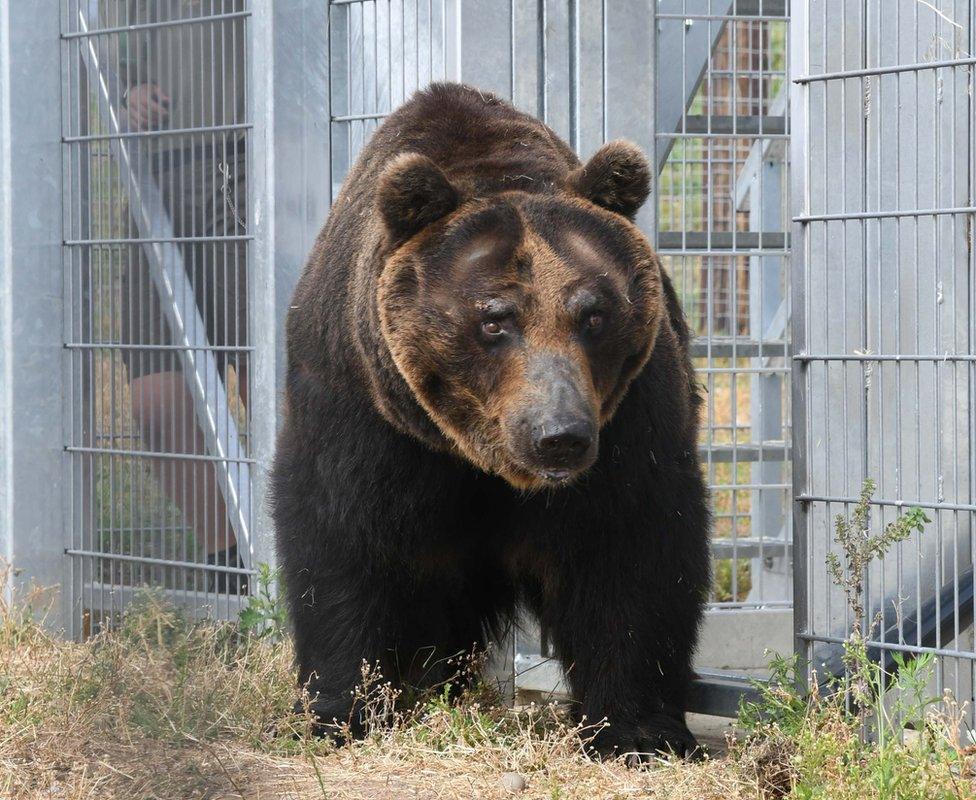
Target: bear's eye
column 594, row 322
column 492, row 328
column 497, row 320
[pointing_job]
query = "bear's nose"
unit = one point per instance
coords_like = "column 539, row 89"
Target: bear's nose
column 566, row 440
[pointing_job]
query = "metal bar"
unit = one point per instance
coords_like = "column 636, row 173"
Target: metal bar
column 750, row 547
column 747, row 486
column 162, row 562
column 892, row 70
column 966, row 133
column 720, row 347
column 876, row 215
column 737, row 370
column 886, row 647
column 729, row 242
column 121, row 133
column 265, row 263
column 157, row 240
column 744, row 10
column 896, row 358
column 544, row 61
column 722, row 126
column 799, row 296
column 679, row 135
column 33, row 384
column 722, row 18
column 745, row 453
column 162, row 347
column 360, row 117
column 804, row 497
column 148, row 26
column 725, row 253
column 118, row 451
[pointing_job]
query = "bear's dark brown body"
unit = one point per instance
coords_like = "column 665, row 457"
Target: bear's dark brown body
column 413, row 508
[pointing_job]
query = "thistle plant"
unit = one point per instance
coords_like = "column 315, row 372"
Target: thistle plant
column 859, row 548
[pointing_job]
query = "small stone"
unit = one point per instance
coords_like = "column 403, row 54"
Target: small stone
column 513, row 782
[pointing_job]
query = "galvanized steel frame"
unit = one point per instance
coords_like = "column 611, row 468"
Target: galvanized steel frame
column 32, row 384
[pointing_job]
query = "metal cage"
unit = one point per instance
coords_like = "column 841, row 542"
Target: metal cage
column 156, row 140
column 168, row 164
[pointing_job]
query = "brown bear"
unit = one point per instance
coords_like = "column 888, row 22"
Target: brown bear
column 490, row 405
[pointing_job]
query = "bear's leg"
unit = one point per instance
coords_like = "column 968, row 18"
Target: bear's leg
column 421, row 633
column 350, row 603
column 339, row 621
column 624, row 610
column 343, row 618
column 385, row 549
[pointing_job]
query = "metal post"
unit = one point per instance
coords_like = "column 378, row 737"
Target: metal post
column 768, row 319
column 799, row 204
column 263, row 302
column 31, row 355
column 294, row 199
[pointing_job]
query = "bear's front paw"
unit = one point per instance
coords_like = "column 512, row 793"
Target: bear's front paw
column 639, row 743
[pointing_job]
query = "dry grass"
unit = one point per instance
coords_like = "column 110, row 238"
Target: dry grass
column 159, row 708
column 162, row 709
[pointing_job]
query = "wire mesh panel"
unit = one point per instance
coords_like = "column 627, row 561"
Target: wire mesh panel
column 155, row 130
column 381, row 52
column 885, row 363
column 722, row 125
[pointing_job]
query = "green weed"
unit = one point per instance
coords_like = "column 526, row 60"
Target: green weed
column 265, row 615
column 846, row 737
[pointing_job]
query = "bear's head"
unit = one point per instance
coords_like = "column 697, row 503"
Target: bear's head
column 518, row 320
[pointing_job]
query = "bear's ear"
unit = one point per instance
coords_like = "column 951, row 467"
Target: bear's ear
column 617, row 177
column 413, row 193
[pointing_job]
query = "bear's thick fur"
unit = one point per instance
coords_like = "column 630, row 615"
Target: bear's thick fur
column 490, row 403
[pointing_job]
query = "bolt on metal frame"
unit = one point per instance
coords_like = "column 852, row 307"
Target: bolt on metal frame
column 884, row 380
